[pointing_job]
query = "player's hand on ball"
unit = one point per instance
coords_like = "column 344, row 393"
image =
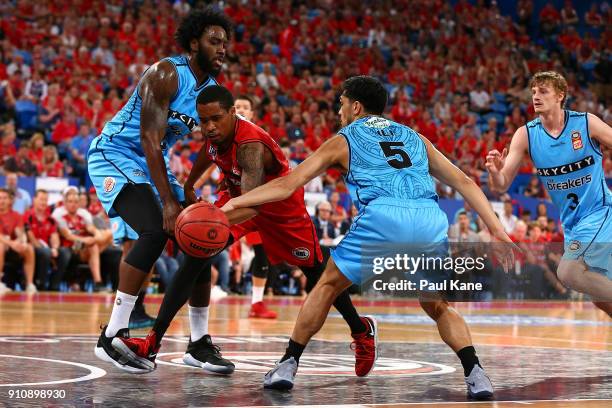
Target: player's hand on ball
column 495, row 160
column 228, row 207
column 190, row 195
column 171, row 210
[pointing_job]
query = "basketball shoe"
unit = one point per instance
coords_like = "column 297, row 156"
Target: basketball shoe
column 138, row 352
column 260, row 311
column 106, row 352
column 282, row 376
column 365, row 346
column 206, row 355
column 478, row 384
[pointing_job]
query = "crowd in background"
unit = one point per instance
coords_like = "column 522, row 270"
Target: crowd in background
column 457, row 72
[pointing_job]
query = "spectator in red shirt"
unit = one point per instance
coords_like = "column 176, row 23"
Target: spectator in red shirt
column 568, row 14
column 43, row 235
column 593, row 18
column 50, row 165
column 549, row 18
column 65, row 129
column 37, row 142
column 78, row 233
column 13, row 241
column 7, row 144
column 20, row 163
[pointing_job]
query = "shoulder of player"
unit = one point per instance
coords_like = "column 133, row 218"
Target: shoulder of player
column 248, row 132
column 161, row 76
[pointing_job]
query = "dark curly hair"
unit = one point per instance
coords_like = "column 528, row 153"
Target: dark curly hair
column 368, row 91
column 196, row 22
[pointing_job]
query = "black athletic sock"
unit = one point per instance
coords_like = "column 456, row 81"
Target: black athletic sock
column 468, row 358
column 344, row 305
column 139, row 305
column 294, row 350
column 178, row 292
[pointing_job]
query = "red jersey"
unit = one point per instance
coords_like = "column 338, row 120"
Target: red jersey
column 285, row 226
column 9, row 221
column 42, row 229
column 76, row 224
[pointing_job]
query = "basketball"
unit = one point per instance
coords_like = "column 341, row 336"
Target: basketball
column 202, row 230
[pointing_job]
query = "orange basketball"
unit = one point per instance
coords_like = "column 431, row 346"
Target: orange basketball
column 202, row 230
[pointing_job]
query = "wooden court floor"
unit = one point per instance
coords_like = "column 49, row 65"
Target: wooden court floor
column 540, row 354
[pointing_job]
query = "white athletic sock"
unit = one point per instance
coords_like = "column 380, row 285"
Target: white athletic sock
column 120, row 317
column 198, row 322
column 258, row 292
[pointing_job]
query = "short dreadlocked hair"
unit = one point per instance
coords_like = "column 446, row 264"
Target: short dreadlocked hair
column 195, row 23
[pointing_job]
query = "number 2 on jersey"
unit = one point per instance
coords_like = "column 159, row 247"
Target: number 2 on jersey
column 391, row 149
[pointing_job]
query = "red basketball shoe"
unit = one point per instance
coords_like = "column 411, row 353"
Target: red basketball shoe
column 365, row 346
column 259, row 310
column 140, row 352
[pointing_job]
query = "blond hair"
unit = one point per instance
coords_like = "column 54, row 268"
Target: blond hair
column 555, row 79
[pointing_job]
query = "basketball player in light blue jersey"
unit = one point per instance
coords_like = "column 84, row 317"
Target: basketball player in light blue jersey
column 128, row 165
column 388, row 168
column 565, row 149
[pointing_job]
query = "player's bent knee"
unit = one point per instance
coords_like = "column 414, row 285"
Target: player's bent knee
column 147, row 249
column 570, row 273
column 434, row 308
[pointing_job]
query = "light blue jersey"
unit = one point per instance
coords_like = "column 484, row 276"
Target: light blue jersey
column 116, row 158
column 387, row 159
column 570, row 168
column 390, row 183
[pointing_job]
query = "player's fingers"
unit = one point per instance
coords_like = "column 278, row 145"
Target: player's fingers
column 504, row 153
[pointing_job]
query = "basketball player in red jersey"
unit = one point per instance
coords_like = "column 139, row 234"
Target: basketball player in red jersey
column 248, row 157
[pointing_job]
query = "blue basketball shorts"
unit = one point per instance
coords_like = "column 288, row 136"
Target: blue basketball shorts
column 385, row 226
column 122, row 231
column 111, row 167
column 591, row 240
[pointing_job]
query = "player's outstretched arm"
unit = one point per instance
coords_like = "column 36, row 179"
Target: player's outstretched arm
column 503, row 166
column 600, row 131
column 333, row 152
column 156, row 89
column 445, row 171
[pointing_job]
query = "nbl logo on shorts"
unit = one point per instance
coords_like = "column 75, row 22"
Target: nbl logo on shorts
column 109, row 184
column 301, row 253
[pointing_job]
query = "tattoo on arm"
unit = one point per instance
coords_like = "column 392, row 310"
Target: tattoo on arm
column 251, row 159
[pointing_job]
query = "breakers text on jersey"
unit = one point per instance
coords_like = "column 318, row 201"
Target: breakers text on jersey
column 569, row 184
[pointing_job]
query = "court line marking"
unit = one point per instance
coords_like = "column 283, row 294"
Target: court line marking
column 434, row 403
column 263, row 356
column 340, row 341
column 174, row 339
column 94, row 372
column 560, row 340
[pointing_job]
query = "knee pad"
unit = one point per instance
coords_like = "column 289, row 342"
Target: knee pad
column 146, row 250
column 261, row 271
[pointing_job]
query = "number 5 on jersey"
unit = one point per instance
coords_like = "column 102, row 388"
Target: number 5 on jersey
column 394, row 149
